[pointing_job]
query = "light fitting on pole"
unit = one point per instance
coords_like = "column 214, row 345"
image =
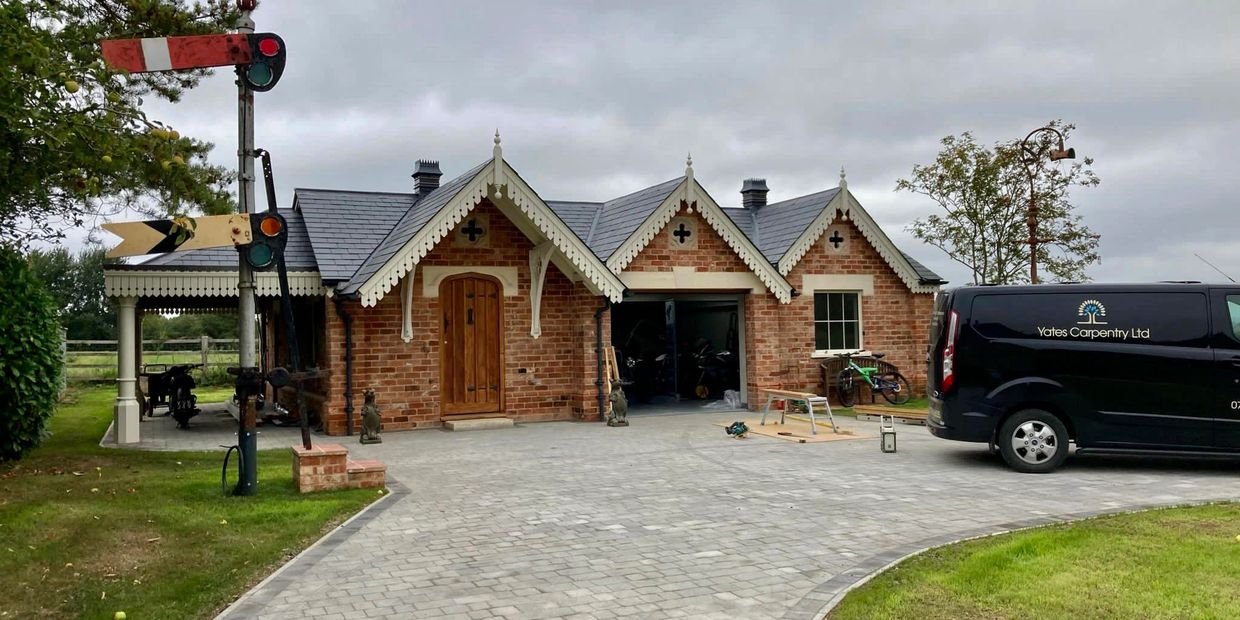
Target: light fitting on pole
column 1059, row 154
column 1029, row 157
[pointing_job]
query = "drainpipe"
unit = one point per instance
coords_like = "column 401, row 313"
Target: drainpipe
column 348, row 363
column 598, row 357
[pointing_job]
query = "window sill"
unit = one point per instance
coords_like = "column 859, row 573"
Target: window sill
column 824, row 354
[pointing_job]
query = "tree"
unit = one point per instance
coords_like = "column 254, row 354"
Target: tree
column 74, row 141
column 75, row 283
column 984, row 197
column 30, row 360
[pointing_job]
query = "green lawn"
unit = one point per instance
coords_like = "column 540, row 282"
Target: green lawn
column 87, row 531
column 1170, row 563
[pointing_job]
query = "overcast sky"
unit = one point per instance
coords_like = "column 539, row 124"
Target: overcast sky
column 598, row 99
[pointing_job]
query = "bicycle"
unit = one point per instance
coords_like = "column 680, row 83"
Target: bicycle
column 892, row 385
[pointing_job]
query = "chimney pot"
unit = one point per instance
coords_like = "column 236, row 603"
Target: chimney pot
column 426, row 177
column 753, row 193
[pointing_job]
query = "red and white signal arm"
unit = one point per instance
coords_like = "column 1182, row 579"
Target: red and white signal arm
column 260, row 56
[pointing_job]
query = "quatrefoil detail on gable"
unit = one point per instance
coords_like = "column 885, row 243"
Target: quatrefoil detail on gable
column 682, row 233
column 836, row 238
column 474, row 232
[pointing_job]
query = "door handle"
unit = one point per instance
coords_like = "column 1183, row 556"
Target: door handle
column 1235, row 361
column 470, row 388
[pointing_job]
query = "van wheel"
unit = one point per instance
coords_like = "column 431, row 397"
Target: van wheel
column 1033, row 441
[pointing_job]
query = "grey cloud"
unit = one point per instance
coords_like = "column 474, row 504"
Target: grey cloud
column 596, row 99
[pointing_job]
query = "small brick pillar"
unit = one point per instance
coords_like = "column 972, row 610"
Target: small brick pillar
column 321, row 468
column 367, row 474
column 326, row 467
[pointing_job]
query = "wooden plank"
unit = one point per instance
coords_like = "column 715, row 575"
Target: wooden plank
column 469, row 341
column 482, row 303
column 458, row 342
column 611, row 361
column 896, row 411
column 487, row 345
column 795, row 431
column 495, row 300
column 788, row 393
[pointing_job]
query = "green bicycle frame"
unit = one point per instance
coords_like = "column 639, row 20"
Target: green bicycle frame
column 866, row 373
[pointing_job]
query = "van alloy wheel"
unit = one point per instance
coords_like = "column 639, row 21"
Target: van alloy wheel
column 1035, row 442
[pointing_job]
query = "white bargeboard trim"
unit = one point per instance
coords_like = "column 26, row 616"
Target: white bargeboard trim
column 159, row 283
column 846, row 207
column 695, row 196
column 500, row 181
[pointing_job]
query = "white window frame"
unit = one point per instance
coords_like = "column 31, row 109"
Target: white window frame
column 821, row 353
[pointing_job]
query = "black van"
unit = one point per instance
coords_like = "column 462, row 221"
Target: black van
column 1111, row 367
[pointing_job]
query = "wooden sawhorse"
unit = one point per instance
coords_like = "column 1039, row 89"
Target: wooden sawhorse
column 805, row 397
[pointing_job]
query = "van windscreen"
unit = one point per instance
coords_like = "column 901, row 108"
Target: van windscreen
column 1174, row 319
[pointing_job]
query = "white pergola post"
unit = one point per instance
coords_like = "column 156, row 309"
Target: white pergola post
column 127, row 413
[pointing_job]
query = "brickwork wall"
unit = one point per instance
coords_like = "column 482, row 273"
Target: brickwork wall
column 779, row 338
column 546, row 378
column 552, row 377
column 894, row 320
column 710, row 254
column 323, row 467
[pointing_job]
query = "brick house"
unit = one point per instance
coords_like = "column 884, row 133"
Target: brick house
column 478, row 298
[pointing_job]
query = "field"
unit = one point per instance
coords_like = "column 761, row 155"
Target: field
column 95, row 360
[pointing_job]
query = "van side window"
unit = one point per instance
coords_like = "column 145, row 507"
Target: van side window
column 1233, row 311
column 1169, row 319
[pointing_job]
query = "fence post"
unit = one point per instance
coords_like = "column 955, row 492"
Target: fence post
column 64, row 360
column 206, row 347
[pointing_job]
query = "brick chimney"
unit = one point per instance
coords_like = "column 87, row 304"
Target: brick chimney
column 753, row 194
column 426, row 177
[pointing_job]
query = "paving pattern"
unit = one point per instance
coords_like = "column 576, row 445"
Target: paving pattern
column 669, row 518
column 212, row 429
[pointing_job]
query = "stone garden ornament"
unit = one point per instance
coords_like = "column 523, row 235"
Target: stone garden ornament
column 619, row 415
column 371, row 422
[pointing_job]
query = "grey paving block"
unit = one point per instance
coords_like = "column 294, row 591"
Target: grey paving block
column 668, row 518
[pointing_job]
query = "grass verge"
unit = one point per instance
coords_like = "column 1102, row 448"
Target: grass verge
column 87, row 531
column 1169, row 563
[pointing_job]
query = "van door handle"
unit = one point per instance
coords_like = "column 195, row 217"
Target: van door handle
column 1235, row 361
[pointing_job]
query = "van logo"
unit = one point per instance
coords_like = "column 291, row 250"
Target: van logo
column 1091, row 310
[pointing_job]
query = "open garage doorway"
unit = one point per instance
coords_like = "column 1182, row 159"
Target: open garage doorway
column 680, row 351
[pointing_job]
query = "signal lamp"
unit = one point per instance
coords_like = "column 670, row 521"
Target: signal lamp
column 267, row 64
column 269, row 232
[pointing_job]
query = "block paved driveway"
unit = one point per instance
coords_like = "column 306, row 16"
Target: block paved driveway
column 670, row 518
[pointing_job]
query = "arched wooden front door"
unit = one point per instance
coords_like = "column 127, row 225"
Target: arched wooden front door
column 471, row 345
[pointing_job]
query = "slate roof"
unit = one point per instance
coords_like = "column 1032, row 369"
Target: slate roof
column 345, row 227
column 776, row 226
column 414, row 218
column 349, row 235
column 579, row 216
column 298, row 253
column 612, row 221
column 923, row 272
column 780, row 223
